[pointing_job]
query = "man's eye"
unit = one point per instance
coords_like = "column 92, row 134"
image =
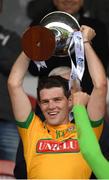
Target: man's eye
column 57, row 99
column 44, row 102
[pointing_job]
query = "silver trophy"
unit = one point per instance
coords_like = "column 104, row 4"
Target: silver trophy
column 63, row 26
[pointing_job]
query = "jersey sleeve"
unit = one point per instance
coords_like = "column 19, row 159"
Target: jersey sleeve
column 25, row 129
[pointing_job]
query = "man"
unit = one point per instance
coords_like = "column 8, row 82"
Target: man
column 44, row 149
column 20, row 166
column 10, row 48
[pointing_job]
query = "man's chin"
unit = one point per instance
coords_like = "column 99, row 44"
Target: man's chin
column 53, row 122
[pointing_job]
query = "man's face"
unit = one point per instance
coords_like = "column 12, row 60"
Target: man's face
column 69, row 6
column 54, row 105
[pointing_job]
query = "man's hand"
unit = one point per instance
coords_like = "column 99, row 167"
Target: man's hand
column 88, row 33
column 80, row 98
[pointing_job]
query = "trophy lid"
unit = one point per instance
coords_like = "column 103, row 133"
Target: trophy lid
column 38, row 43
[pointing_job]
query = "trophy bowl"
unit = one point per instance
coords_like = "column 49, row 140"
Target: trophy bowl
column 63, row 26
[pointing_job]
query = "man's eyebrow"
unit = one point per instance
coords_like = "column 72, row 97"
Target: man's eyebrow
column 44, row 100
column 57, row 97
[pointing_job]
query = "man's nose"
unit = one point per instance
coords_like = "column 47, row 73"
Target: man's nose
column 52, row 105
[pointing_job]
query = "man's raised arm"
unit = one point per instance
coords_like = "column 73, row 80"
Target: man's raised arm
column 20, row 101
column 97, row 102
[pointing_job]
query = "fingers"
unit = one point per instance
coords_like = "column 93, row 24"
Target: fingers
column 80, row 98
column 87, row 32
column 84, row 27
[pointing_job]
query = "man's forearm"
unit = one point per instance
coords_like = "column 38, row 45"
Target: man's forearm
column 95, row 66
column 17, row 94
column 19, row 69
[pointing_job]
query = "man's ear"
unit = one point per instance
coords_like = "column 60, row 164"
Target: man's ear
column 38, row 102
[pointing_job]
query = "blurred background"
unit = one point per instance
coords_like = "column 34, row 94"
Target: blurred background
column 14, row 15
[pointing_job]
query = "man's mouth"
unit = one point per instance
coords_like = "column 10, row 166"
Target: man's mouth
column 52, row 114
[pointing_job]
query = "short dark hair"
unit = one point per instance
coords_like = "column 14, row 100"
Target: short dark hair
column 53, row 81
